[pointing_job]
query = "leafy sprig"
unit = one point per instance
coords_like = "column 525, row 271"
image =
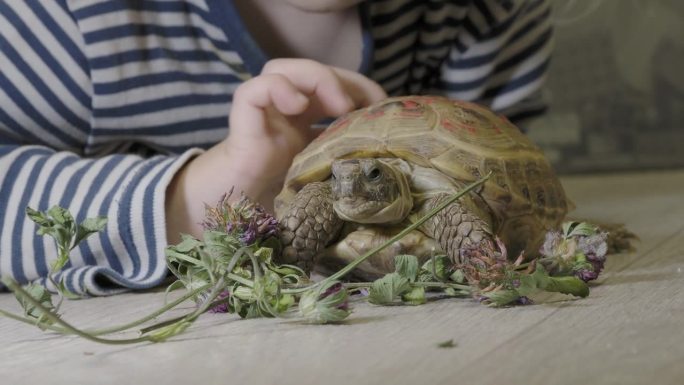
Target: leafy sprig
column 60, row 225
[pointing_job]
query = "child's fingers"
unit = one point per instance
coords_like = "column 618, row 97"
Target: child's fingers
column 314, row 79
column 337, row 91
column 362, row 90
column 253, row 97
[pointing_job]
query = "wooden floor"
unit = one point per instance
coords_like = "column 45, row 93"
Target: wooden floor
column 630, row 330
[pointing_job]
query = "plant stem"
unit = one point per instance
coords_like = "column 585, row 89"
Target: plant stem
column 210, row 299
column 31, row 321
column 352, row 265
column 15, row 287
column 152, row 315
column 241, row 280
column 538, row 260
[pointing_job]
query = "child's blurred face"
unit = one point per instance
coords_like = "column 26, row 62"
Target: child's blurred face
column 323, row 5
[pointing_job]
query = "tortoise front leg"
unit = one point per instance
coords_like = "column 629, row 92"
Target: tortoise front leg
column 459, row 225
column 310, row 224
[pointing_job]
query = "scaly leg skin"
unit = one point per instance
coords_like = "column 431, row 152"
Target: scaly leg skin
column 309, row 225
column 459, row 225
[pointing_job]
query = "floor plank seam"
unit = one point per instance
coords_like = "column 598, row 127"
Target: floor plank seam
column 677, row 235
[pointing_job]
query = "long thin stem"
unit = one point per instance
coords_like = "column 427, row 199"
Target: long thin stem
column 12, row 285
column 150, row 316
column 352, row 265
column 113, row 329
column 218, row 288
column 171, row 321
column 255, row 265
column 30, row 321
column 241, row 280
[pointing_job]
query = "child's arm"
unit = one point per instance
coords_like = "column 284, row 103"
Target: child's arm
column 270, row 122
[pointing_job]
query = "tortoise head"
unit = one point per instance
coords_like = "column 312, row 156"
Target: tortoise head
column 368, row 190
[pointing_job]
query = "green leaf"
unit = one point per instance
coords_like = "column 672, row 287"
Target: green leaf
column 39, row 217
column 264, row 254
column 251, row 311
column 501, row 297
column 42, row 295
column 169, row 331
column 530, row 284
column 568, row 285
column 220, row 244
column 458, row 276
column 58, row 223
column 59, row 263
column 61, row 216
column 187, row 244
column 576, row 229
column 284, row 302
column 447, row 344
column 451, row 292
column 173, row 255
column 95, row 224
column 563, row 284
column 415, row 296
column 438, row 267
column 387, row 289
column 406, row 266
column 325, row 304
column 89, row 227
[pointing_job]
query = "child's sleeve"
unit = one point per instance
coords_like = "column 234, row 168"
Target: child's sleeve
column 128, row 189
column 501, row 56
column 46, row 159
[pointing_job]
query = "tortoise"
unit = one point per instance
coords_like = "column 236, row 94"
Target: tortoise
column 376, row 169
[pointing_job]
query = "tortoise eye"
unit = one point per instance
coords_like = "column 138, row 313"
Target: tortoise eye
column 374, row 174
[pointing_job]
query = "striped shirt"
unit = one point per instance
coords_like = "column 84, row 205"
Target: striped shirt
column 101, row 102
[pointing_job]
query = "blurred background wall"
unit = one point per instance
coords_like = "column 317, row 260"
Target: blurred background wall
column 615, row 86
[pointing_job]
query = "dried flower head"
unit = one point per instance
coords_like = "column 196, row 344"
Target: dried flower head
column 580, row 250
column 556, row 245
column 329, row 303
column 487, row 265
column 487, row 268
column 246, row 220
column 222, row 307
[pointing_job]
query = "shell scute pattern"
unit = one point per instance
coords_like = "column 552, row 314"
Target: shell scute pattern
column 462, row 140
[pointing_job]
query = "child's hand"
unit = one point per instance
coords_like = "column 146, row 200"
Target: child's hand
column 270, row 122
column 273, row 113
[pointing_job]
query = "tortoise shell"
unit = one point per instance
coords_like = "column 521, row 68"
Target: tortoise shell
column 460, row 139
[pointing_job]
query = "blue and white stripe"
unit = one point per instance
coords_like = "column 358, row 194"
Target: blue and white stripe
column 101, row 102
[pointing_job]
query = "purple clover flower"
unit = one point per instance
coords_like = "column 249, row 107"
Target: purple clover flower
column 334, row 290
column 587, row 275
column 245, row 219
column 581, row 255
column 594, row 247
column 248, row 234
column 222, row 307
column 327, row 304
